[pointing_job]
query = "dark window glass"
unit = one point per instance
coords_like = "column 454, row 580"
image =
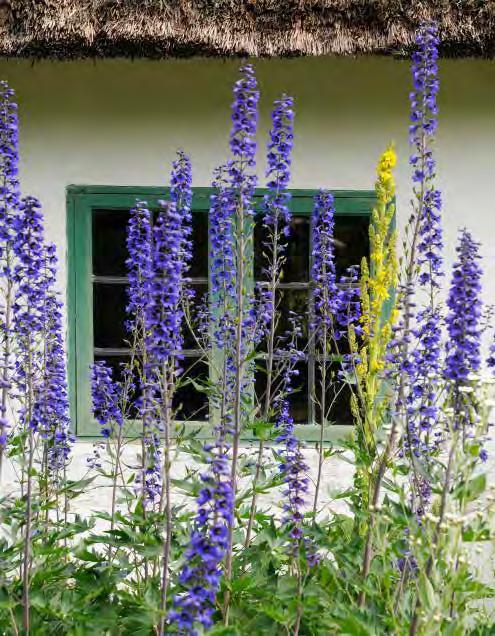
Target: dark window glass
column 351, row 244
column 109, row 229
column 337, row 396
column 110, row 300
column 199, row 238
column 190, row 403
column 293, row 306
column 194, row 306
column 260, row 381
column 298, row 398
column 296, row 268
column 109, row 242
column 351, row 240
column 120, row 366
column 109, row 315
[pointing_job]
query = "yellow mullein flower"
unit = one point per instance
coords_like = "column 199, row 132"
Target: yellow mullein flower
column 378, row 278
column 388, row 160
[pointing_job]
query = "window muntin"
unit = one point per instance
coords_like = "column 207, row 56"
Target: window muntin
column 102, row 213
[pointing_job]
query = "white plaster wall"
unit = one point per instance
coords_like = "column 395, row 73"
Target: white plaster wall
column 120, row 122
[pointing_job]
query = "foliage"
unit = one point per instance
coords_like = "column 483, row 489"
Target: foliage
column 210, row 551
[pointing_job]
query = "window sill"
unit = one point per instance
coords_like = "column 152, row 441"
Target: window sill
column 309, row 433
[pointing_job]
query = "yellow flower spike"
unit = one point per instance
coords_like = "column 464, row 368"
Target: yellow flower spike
column 388, row 160
column 378, row 278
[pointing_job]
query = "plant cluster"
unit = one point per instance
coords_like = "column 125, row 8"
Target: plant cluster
column 205, row 554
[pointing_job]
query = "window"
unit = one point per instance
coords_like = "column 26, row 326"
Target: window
column 96, row 226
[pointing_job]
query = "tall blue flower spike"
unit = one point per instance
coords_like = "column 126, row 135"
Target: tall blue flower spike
column 424, row 362
column 465, row 330
column 234, row 186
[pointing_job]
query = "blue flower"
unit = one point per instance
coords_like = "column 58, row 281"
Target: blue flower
column 276, row 215
column 139, row 264
column 105, row 393
column 490, row 361
column 29, row 311
column 323, row 273
column 232, row 200
column 419, row 334
column 424, row 116
column 51, row 402
column 465, row 332
column 9, row 209
column 465, row 308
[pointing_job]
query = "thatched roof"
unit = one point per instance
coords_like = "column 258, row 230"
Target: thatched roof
column 161, row 28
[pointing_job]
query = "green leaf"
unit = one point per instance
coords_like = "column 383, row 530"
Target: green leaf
column 353, row 625
column 470, row 490
column 224, row 631
column 426, row 592
column 274, row 613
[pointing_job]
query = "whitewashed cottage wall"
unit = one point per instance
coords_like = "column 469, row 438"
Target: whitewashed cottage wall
column 119, row 122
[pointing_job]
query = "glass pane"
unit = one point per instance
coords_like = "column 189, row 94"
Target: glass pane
column 296, row 268
column 119, row 365
column 109, row 242
column 351, row 241
column 292, row 305
column 261, row 382
column 337, row 396
column 298, row 399
column 189, row 403
column 290, row 302
column 260, row 237
column 298, row 252
column 199, row 237
column 109, row 316
column 194, row 307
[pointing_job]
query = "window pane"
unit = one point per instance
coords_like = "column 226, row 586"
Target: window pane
column 351, row 240
column 199, row 237
column 109, row 316
column 298, row 399
column 119, row 366
column 109, row 242
column 261, row 382
column 193, row 308
column 338, row 396
column 296, row 268
column 298, row 251
column 189, row 403
column 291, row 305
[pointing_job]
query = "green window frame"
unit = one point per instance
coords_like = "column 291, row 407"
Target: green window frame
column 81, row 201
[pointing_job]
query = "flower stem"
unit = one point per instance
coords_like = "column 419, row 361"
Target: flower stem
column 239, row 368
column 167, row 398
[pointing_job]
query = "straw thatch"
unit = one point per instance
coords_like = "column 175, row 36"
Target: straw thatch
column 161, row 28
